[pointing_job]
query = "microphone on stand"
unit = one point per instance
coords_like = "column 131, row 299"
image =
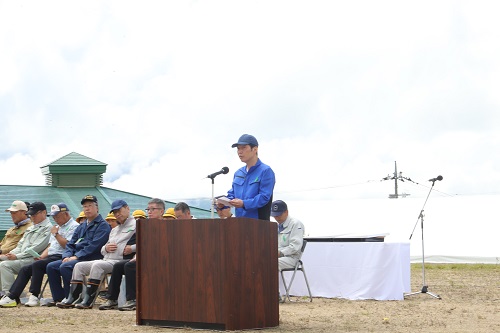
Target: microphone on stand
column 224, row 170
column 440, row 178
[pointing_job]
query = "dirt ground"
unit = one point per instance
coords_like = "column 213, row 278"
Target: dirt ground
column 470, row 303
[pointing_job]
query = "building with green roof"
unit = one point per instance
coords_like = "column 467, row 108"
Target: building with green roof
column 68, row 179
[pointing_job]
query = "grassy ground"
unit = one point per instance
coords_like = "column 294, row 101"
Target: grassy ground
column 470, row 303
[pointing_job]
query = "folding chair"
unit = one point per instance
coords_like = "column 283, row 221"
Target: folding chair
column 299, row 266
column 43, row 288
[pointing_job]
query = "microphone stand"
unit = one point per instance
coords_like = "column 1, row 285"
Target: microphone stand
column 421, row 218
column 213, row 198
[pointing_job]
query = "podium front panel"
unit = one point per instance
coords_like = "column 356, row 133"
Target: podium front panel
column 207, row 273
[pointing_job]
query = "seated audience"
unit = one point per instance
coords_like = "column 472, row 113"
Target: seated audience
column 60, row 233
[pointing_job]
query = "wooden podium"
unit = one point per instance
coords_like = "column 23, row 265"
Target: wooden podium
column 217, row 274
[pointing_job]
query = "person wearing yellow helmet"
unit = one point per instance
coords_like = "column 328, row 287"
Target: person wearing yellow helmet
column 80, row 217
column 139, row 214
column 111, row 219
column 169, row 214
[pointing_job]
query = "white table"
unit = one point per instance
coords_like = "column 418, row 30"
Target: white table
column 354, row 270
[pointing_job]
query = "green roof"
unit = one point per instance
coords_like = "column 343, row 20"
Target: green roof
column 70, row 178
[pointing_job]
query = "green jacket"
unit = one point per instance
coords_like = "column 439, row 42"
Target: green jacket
column 36, row 238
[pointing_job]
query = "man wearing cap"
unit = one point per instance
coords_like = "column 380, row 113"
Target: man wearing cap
column 112, row 252
column 290, row 235
column 85, row 245
column 18, row 213
column 34, row 241
column 155, row 210
column 253, row 184
column 60, row 233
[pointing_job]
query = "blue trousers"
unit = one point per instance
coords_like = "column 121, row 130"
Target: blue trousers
column 56, row 271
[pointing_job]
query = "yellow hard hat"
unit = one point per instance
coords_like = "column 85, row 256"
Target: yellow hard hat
column 110, row 216
column 169, row 213
column 139, row 214
column 80, row 216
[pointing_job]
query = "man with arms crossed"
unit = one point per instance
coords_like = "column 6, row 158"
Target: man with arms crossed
column 156, row 208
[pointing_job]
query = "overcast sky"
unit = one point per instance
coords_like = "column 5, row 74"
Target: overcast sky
column 335, row 92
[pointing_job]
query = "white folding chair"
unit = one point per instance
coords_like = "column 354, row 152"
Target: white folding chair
column 299, row 266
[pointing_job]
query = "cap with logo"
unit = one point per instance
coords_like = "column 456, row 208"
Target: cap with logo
column 89, row 197
column 278, row 207
column 36, row 207
column 56, row 209
column 117, row 204
column 246, row 139
column 17, row 206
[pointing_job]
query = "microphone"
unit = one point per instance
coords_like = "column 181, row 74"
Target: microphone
column 440, row 178
column 224, row 170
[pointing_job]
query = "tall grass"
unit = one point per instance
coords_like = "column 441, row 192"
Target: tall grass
column 469, row 267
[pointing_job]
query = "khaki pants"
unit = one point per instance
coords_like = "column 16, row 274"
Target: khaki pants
column 9, row 269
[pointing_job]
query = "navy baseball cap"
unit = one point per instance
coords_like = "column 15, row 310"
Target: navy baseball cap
column 246, row 139
column 89, row 198
column 117, row 204
column 278, row 207
column 56, row 209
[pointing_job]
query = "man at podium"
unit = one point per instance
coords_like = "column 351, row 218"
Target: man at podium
column 253, row 184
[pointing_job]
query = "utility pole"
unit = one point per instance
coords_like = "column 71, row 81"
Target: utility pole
column 395, row 180
column 397, row 177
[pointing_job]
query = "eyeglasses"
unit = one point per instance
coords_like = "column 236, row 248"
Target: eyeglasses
column 150, row 209
column 219, row 209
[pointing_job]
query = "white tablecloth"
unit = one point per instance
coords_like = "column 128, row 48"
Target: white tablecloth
column 356, row 271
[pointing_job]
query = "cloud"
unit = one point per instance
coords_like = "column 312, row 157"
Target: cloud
column 335, row 93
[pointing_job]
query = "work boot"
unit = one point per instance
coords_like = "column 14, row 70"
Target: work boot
column 90, row 295
column 75, row 290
